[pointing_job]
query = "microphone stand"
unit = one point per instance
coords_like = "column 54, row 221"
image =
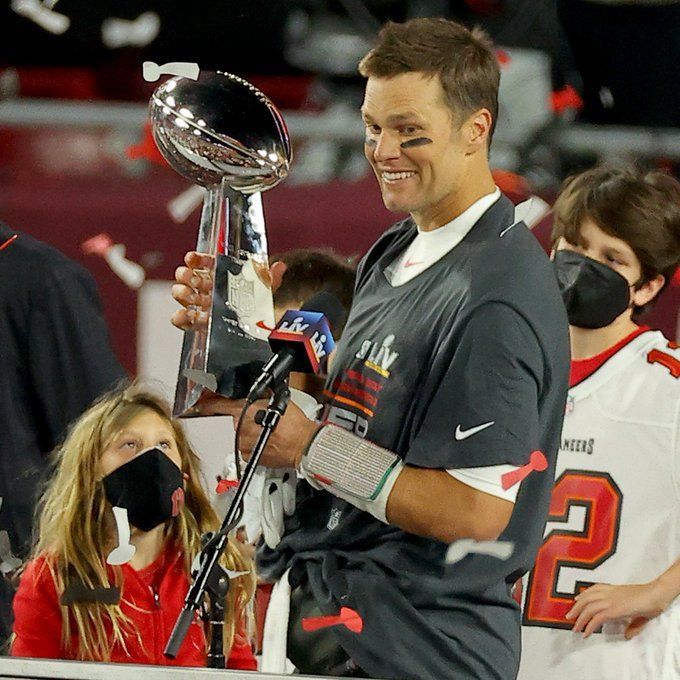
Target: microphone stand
column 210, row 576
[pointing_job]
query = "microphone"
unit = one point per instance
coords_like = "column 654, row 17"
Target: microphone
column 302, row 341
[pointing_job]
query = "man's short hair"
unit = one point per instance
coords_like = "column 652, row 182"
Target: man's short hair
column 310, row 271
column 641, row 207
column 464, row 60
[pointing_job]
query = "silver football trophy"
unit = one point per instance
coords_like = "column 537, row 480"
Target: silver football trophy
column 222, row 133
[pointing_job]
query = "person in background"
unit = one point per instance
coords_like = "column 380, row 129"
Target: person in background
column 56, row 358
column 601, row 601
column 120, row 524
column 297, row 275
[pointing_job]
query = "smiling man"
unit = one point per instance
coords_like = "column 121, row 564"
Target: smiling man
column 448, row 385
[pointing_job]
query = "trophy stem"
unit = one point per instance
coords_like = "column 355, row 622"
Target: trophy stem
column 225, row 353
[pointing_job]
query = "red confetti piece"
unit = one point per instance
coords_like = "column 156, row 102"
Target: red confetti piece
column 9, row 241
column 146, row 148
column 675, row 281
column 223, row 485
column 537, row 462
column 347, row 617
column 503, row 58
column 565, row 99
column 97, row 245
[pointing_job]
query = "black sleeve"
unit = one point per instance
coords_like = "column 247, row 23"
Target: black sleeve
column 485, row 409
column 69, row 352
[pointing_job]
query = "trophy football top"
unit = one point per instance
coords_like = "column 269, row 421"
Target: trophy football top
column 220, row 126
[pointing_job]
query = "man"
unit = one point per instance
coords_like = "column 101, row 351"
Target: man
column 56, row 358
column 616, row 503
column 451, row 372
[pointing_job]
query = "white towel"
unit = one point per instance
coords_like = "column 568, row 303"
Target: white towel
column 275, row 636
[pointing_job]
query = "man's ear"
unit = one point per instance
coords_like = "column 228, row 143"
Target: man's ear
column 648, row 291
column 477, row 130
column 276, row 271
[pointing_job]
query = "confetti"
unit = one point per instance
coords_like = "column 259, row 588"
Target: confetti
column 8, row 562
column 151, row 71
column 146, row 148
column 124, row 551
column 9, row 241
column 466, row 546
column 537, row 462
column 223, row 485
column 675, row 281
column 347, row 617
column 236, row 574
column 51, row 21
column 137, row 33
column 79, row 592
column 503, row 58
column 152, row 259
column 531, row 211
column 196, row 565
column 131, row 273
column 185, row 203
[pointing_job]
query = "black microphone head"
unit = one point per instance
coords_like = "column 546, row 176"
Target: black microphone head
column 330, row 306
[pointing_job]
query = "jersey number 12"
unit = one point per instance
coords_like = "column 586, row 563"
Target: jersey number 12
column 585, row 549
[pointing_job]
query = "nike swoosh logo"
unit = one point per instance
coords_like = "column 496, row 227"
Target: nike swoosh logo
column 263, row 325
column 412, row 264
column 464, row 434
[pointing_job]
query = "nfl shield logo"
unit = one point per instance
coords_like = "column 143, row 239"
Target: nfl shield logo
column 241, row 295
column 334, row 519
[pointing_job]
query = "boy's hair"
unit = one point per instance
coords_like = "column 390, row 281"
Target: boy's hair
column 76, row 529
column 641, row 207
column 464, row 60
column 310, row 271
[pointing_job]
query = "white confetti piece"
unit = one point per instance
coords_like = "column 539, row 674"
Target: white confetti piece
column 151, row 71
column 185, row 203
column 131, row 273
column 8, row 562
column 466, row 546
column 124, row 551
column 51, row 21
column 137, row 33
column 531, row 211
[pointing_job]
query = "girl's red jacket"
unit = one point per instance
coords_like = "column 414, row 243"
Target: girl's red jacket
column 152, row 598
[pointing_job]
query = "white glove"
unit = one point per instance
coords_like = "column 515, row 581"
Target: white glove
column 278, row 491
column 278, row 502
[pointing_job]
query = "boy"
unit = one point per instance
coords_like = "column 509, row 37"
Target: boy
column 614, row 515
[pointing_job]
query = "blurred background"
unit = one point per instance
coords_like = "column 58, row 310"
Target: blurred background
column 582, row 81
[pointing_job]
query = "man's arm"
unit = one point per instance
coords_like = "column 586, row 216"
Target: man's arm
column 434, row 504
column 640, row 602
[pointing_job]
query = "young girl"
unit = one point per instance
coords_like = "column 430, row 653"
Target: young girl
column 120, row 524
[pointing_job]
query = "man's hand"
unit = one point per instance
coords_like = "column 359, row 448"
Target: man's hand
column 287, row 443
column 603, row 602
column 193, row 290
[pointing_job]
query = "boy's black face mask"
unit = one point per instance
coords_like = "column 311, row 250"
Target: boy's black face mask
column 593, row 293
column 149, row 487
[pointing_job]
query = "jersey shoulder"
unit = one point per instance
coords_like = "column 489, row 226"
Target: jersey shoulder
column 645, row 380
column 395, row 238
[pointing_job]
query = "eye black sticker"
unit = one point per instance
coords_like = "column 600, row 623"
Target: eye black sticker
column 418, row 141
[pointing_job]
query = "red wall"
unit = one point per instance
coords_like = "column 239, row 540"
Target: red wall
column 66, row 186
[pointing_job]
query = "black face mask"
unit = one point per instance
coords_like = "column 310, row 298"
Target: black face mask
column 150, row 487
column 593, row 293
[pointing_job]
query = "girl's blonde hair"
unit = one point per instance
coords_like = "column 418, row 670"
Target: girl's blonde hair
column 76, row 529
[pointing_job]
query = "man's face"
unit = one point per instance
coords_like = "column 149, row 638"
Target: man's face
column 414, row 146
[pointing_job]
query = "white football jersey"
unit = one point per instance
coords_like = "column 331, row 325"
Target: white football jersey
column 614, row 518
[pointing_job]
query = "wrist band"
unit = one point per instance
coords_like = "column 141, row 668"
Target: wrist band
column 343, row 463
